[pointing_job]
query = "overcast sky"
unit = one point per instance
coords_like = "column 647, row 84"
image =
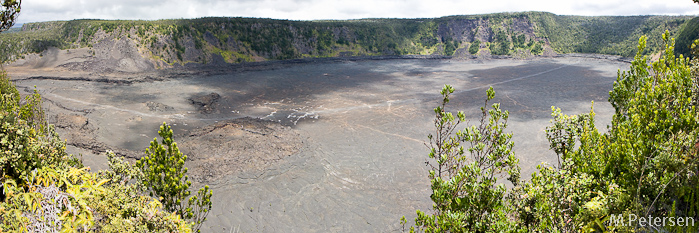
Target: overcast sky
column 47, row 10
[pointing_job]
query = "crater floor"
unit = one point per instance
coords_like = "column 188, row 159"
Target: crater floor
column 343, row 145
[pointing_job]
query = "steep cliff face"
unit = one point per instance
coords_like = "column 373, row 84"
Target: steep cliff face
column 142, row 45
column 482, row 29
column 118, row 52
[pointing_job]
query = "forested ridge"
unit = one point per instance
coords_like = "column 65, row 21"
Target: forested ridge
column 235, row 40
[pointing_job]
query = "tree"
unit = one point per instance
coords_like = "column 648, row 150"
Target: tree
column 646, row 165
column 537, row 49
column 26, row 141
column 166, row 178
column 519, row 41
column 474, row 47
column 465, row 192
column 8, row 13
column 450, row 46
column 501, row 45
column 654, row 138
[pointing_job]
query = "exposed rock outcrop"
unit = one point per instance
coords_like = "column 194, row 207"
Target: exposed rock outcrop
column 205, row 103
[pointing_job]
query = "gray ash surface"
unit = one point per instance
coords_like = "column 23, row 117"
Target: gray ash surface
column 339, row 147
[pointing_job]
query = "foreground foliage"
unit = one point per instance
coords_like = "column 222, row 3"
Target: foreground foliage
column 645, row 165
column 166, row 178
column 465, row 178
column 43, row 189
column 9, row 10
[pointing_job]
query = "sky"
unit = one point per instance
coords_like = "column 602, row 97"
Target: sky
column 48, row 10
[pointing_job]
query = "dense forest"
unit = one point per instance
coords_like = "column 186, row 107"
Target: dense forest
column 235, row 40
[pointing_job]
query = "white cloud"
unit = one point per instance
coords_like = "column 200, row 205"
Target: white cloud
column 45, row 10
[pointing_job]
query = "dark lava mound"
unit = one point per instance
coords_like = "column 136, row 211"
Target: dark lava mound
column 237, row 146
column 205, row 103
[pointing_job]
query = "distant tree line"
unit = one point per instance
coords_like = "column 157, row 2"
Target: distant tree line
column 249, row 39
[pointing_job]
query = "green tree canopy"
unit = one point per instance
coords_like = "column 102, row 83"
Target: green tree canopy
column 9, row 12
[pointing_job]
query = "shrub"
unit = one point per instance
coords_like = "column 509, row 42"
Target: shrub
column 46, row 190
column 465, row 192
column 54, row 201
column 645, row 165
column 121, row 208
column 26, row 141
column 165, row 177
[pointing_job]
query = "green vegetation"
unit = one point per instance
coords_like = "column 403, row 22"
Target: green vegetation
column 248, row 39
column 10, row 10
column 614, row 35
column 645, row 165
column 450, row 46
column 474, row 47
column 166, row 178
column 45, row 189
column 537, row 48
column 501, row 45
column 689, row 33
column 461, row 182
